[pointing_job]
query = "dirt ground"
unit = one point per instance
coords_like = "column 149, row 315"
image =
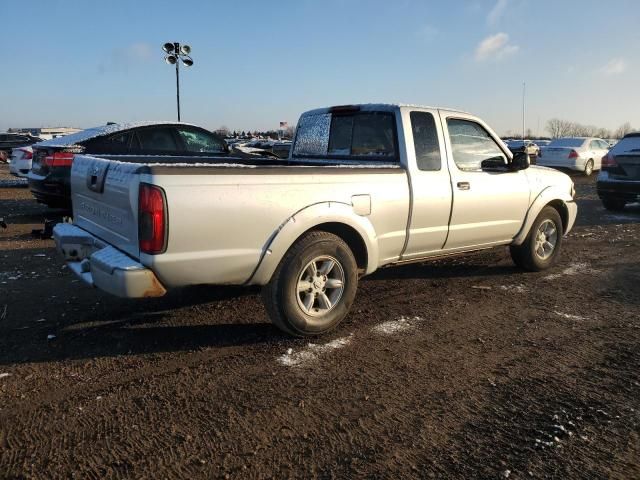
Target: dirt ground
column 468, row 368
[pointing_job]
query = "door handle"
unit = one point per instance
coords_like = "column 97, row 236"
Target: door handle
column 464, row 186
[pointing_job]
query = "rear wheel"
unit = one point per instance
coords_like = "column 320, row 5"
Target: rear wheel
column 542, row 245
column 314, row 286
column 588, row 168
column 613, row 204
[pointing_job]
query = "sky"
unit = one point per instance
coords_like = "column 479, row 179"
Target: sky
column 256, row 63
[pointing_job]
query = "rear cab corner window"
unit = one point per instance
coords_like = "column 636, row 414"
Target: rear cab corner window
column 425, row 141
column 471, row 144
column 352, row 136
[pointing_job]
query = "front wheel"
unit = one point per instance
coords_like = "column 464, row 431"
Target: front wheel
column 314, row 286
column 542, row 245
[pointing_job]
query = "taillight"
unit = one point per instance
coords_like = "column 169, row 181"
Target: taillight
column 26, row 153
column 573, row 154
column 59, row 159
column 609, row 161
column 152, row 219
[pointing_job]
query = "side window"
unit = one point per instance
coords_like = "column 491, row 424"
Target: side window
column 471, row 144
column 198, row 141
column 594, row 145
column 425, row 140
column 603, row 145
column 156, row 140
column 118, row 144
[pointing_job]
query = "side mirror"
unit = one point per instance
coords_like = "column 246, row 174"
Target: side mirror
column 494, row 163
column 520, row 161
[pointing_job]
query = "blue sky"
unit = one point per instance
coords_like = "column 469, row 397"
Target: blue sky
column 83, row 63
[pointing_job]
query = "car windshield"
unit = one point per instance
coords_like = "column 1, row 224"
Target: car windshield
column 567, row 142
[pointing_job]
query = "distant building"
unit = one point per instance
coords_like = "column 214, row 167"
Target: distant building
column 46, row 133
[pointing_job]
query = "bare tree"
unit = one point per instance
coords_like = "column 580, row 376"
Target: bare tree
column 622, row 130
column 223, row 131
column 559, row 128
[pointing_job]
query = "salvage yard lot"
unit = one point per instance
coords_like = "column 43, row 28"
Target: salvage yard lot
column 461, row 368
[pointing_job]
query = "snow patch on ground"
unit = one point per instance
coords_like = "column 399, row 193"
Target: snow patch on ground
column 514, row 288
column 311, row 352
column 568, row 316
column 400, row 325
column 575, row 269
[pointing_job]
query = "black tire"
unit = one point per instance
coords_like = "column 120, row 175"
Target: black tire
column 588, row 168
column 283, row 300
column 613, row 204
column 525, row 255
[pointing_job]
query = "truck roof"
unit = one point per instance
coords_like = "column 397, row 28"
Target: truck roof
column 378, row 107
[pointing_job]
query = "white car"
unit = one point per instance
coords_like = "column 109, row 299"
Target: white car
column 583, row 154
column 21, row 161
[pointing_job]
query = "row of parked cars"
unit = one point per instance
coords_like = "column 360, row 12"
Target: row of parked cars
column 47, row 164
column 583, row 154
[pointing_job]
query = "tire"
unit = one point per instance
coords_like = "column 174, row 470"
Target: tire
column 588, row 168
column 320, row 307
column 613, row 204
column 527, row 255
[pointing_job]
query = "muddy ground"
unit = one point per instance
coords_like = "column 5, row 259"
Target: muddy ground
column 468, row 368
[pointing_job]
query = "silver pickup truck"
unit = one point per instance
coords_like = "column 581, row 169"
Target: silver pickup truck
column 365, row 186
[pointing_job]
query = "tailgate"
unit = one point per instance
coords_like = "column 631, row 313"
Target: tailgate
column 105, row 200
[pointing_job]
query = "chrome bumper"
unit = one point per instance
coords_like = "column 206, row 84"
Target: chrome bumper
column 102, row 266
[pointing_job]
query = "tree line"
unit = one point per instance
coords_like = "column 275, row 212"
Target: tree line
column 225, row 132
column 558, row 128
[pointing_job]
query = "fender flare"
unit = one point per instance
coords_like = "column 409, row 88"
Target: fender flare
column 306, row 219
column 544, row 198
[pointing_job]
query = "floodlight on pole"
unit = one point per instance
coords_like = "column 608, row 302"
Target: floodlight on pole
column 176, row 53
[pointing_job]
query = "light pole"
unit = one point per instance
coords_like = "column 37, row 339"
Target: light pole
column 174, row 52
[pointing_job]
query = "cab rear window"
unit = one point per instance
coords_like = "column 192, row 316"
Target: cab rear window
column 352, row 136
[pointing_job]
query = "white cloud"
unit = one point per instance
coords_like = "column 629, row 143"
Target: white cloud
column 497, row 11
column 616, row 66
column 495, row 47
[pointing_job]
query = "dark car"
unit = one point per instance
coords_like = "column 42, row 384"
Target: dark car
column 619, row 179
column 9, row 141
column 52, row 159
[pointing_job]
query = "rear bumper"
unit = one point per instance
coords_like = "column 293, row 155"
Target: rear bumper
column 52, row 189
column 573, row 164
column 102, row 266
column 613, row 188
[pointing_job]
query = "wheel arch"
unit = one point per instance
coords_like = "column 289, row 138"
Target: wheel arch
column 554, row 198
column 333, row 217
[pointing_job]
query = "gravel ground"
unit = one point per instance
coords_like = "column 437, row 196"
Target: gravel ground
column 468, row 368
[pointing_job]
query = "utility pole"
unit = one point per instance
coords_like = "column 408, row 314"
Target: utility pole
column 524, row 86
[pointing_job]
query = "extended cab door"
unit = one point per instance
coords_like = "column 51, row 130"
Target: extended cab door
column 489, row 205
column 430, row 183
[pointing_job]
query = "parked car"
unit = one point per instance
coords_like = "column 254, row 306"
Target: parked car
column 21, row 161
column 583, row 154
column 52, row 159
column 281, row 149
column 9, row 141
column 365, row 186
column 526, row 146
column 619, row 180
